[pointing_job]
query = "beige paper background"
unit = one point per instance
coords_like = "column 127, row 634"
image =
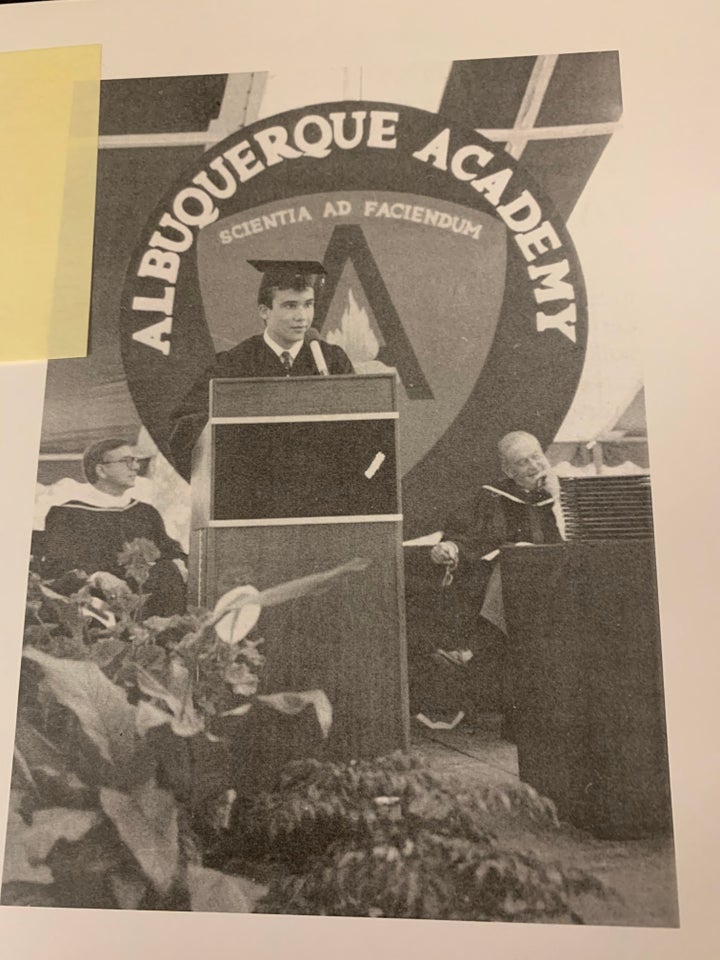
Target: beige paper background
column 660, row 229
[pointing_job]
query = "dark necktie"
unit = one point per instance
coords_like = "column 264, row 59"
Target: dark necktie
column 286, row 362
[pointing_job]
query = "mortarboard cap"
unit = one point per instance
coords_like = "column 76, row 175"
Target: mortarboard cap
column 288, row 268
column 287, row 275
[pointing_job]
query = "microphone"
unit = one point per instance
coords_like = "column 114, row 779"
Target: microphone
column 312, row 337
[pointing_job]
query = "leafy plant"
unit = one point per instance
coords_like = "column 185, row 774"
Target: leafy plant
column 120, row 741
column 121, row 757
column 390, row 838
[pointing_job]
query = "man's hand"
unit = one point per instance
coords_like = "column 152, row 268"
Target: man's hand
column 445, row 552
column 551, row 484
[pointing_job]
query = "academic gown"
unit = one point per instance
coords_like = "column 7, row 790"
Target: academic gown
column 500, row 514
column 88, row 537
column 251, row 358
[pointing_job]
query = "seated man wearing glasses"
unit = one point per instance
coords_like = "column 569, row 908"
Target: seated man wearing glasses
column 89, row 533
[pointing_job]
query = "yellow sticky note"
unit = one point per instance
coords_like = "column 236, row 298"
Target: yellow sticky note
column 49, row 104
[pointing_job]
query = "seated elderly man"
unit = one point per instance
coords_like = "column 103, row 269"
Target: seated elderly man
column 521, row 507
column 88, row 533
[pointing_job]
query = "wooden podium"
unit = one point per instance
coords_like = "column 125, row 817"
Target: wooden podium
column 590, row 715
column 292, row 476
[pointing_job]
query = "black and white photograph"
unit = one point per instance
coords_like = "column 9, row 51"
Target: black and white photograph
column 342, row 596
column 357, row 580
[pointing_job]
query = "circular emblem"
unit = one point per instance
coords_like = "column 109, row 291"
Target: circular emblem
column 445, row 263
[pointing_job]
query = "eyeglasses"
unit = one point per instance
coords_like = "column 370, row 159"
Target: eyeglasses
column 128, row 461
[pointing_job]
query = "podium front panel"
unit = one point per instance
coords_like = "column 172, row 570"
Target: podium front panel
column 347, row 641
column 291, row 469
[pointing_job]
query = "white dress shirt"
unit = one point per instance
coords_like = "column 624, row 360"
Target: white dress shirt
column 294, row 350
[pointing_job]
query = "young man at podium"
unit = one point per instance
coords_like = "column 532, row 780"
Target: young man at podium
column 297, row 473
column 287, row 347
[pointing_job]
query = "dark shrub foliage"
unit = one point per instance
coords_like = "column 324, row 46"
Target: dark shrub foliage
column 390, row 838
